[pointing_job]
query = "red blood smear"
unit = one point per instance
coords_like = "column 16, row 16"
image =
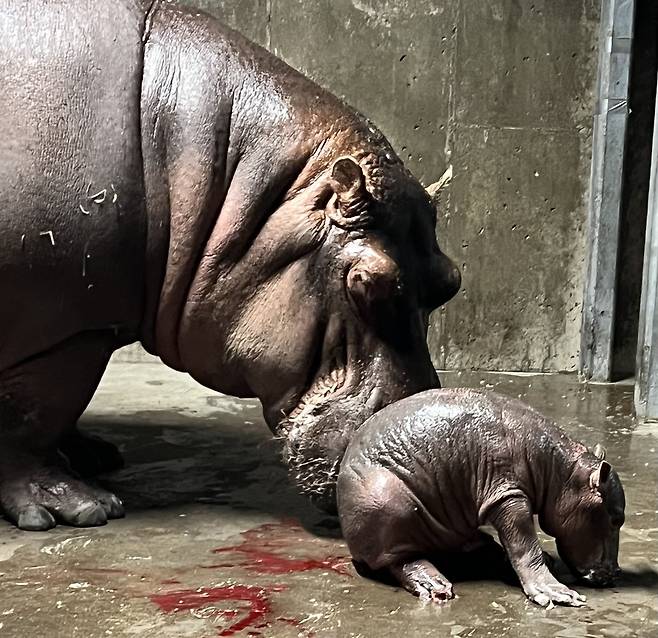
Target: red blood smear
column 277, row 536
column 255, row 611
column 268, row 563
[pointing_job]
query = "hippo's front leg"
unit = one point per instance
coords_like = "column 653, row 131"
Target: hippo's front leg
column 512, row 519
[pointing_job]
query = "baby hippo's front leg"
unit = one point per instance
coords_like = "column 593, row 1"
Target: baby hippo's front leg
column 384, row 530
column 512, row 519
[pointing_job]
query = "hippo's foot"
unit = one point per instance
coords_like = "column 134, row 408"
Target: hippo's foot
column 553, row 592
column 89, row 455
column 424, row 580
column 38, row 497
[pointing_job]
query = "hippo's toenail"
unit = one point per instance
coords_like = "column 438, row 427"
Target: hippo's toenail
column 35, row 518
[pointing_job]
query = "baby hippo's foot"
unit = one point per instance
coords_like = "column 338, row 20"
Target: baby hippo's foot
column 549, row 592
column 36, row 497
column 424, row 580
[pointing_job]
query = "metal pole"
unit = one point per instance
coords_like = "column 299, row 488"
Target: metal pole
column 646, row 385
column 609, row 137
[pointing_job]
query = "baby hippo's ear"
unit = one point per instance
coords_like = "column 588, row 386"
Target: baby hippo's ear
column 599, row 451
column 599, row 477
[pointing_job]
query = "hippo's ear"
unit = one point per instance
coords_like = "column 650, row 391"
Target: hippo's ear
column 599, row 451
column 349, row 184
column 599, row 477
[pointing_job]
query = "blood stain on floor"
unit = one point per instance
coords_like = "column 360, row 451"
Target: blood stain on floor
column 251, row 611
column 262, row 551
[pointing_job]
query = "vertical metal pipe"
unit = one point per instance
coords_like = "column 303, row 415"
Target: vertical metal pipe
column 609, row 137
column 646, row 385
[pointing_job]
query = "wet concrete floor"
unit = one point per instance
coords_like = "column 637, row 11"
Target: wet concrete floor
column 217, row 543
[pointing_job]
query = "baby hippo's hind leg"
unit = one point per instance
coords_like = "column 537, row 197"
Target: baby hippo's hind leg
column 384, row 529
column 423, row 579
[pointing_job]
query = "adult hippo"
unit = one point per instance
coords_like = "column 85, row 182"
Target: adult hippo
column 162, row 179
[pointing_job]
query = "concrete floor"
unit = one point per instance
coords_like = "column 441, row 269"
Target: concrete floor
column 217, row 543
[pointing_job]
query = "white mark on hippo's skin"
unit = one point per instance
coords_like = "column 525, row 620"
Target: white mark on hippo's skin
column 85, row 256
column 48, row 233
column 83, row 210
column 99, row 197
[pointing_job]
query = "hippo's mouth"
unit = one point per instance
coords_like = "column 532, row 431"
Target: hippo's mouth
column 599, row 575
column 355, row 373
column 332, row 377
column 317, row 428
column 318, row 396
column 602, row 577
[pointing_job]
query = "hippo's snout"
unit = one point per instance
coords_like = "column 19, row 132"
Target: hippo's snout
column 604, row 576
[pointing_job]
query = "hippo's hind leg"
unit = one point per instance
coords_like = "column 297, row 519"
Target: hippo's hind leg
column 384, row 529
column 40, row 401
column 423, row 579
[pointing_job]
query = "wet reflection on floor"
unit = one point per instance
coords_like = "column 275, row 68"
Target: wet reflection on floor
column 217, row 542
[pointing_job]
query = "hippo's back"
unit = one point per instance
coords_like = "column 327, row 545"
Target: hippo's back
column 434, row 424
column 71, row 190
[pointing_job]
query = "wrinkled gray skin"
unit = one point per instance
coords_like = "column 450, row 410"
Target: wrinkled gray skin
column 423, row 474
column 162, row 179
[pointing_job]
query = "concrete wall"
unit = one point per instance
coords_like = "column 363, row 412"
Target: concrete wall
column 501, row 90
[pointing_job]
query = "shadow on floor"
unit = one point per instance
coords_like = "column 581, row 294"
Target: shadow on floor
column 173, row 460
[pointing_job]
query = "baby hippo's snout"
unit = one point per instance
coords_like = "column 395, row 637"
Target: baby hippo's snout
column 603, row 576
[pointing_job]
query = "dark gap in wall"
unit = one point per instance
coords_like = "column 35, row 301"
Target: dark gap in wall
column 637, row 163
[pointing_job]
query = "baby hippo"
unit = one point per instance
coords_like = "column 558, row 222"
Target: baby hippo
column 423, row 474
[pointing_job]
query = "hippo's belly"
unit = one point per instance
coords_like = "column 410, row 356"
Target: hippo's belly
column 70, row 74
